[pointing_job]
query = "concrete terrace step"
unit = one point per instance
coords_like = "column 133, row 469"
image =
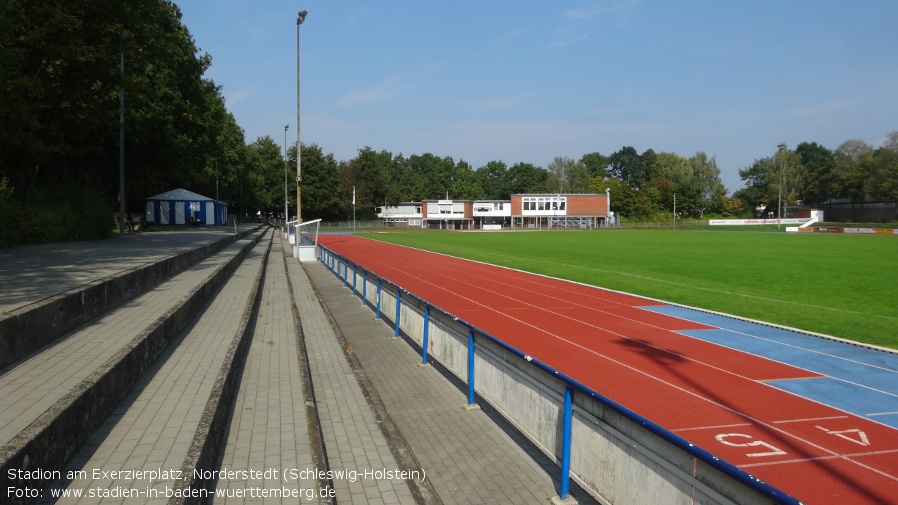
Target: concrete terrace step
column 269, row 428
column 52, row 289
column 174, row 417
column 52, row 401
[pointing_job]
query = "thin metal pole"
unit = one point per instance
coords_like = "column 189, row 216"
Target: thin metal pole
column 286, row 199
column 470, row 367
column 566, row 443
column 426, row 335
column 301, row 16
column 364, row 287
column 121, row 149
column 398, row 308
column 377, row 311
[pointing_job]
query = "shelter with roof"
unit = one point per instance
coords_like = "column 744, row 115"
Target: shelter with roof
column 180, row 206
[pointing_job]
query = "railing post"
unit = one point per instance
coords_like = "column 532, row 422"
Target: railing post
column 398, row 308
column 471, row 403
column 364, row 287
column 377, row 310
column 426, row 335
column 345, row 272
column 566, row 442
column 355, row 272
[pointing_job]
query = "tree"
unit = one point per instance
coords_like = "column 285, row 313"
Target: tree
column 622, row 196
column 370, row 173
column 526, row 178
column 265, row 176
column 754, row 194
column 883, row 181
column 596, row 164
column 466, row 183
column 59, row 98
column 408, row 184
column 675, row 175
column 853, row 161
column 323, row 194
column 567, row 176
column 711, row 192
column 626, row 165
column 494, row 180
column 784, row 178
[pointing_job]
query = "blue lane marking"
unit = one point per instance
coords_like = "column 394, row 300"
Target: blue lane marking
column 845, row 396
column 860, row 380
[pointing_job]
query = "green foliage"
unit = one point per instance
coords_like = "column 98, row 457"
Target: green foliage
column 323, row 195
column 54, row 214
column 61, row 82
column 842, row 286
column 855, row 172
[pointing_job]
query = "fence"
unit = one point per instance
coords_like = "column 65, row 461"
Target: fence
column 615, row 454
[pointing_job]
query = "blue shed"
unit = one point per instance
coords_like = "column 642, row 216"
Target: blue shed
column 180, row 206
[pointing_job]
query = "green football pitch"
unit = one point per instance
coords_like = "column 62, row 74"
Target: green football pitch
column 840, row 285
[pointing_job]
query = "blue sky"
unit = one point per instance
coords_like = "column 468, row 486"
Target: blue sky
column 530, row 80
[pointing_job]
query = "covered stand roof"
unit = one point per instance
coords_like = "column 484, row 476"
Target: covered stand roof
column 182, row 195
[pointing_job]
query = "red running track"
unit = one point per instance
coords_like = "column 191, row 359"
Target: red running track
column 713, row 396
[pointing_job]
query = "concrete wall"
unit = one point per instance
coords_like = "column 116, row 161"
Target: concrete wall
column 615, row 458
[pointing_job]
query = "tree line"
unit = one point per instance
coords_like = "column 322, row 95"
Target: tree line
column 62, row 80
column 813, row 175
column 642, row 185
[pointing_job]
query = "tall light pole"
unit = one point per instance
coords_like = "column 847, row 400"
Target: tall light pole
column 779, row 210
column 299, row 19
column 286, row 200
column 607, row 207
column 121, row 146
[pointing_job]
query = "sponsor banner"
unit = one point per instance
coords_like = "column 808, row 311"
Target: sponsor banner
column 753, row 222
column 856, row 231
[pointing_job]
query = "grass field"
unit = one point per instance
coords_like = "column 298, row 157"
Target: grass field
column 840, row 285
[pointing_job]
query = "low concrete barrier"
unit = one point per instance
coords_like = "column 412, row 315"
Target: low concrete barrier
column 613, row 453
column 33, row 326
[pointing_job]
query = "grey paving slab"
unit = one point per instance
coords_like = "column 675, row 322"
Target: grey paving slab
column 268, row 431
column 29, row 387
column 468, row 455
column 31, row 273
column 359, row 454
column 152, row 430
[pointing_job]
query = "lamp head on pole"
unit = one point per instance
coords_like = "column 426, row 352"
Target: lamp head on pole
column 301, row 17
column 286, row 126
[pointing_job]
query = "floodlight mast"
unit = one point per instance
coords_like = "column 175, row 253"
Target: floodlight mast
column 299, row 19
column 286, row 200
column 779, row 211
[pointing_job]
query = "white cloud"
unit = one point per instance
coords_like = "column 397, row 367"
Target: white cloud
column 598, row 11
column 375, row 94
column 492, row 104
column 567, row 42
column 239, row 95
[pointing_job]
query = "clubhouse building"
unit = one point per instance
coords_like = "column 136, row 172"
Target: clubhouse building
column 539, row 211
